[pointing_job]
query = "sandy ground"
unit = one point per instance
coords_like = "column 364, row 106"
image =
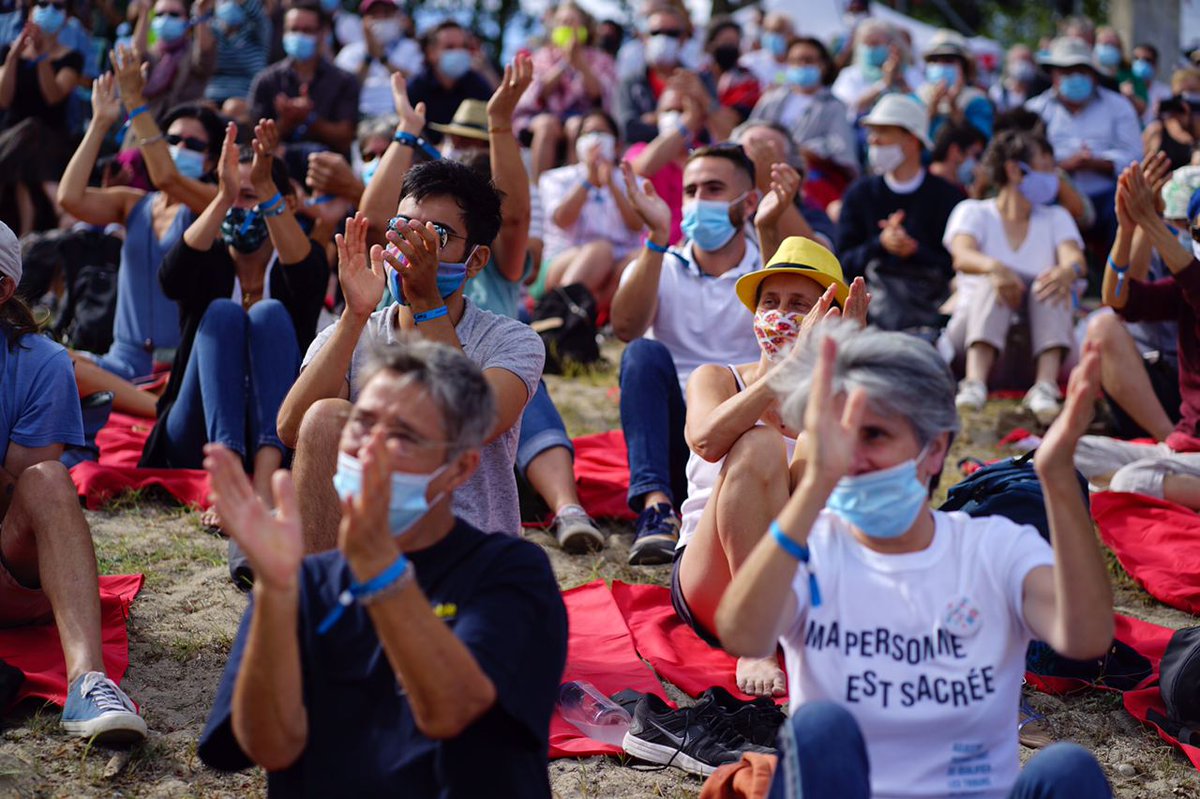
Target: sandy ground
column 183, row 623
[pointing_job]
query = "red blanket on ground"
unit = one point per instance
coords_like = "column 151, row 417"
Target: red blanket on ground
column 602, row 475
column 37, row 650
column 121, row 442
column 1157, row 542
column 599, row 651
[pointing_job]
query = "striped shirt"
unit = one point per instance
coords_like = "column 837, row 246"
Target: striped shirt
column 241, row 53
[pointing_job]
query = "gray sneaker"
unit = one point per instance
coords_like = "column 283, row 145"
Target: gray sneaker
column 576, row 532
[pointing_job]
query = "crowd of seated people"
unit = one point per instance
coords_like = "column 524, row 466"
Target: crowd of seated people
column 820, row 257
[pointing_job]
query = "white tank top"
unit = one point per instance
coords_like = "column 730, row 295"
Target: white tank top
column 702, row 475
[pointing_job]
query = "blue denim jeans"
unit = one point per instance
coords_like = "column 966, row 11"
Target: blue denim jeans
column 542, row 428
column 822, row 753
column 124, row 360
column 241, row 367
column 653, row 416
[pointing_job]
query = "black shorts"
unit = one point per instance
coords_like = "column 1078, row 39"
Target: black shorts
column 1164, row 380
column 681, row 606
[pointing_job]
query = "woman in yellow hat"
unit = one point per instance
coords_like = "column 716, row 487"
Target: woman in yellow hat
column 738, row 475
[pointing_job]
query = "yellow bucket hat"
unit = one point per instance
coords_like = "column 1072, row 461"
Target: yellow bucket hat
column 796, row 256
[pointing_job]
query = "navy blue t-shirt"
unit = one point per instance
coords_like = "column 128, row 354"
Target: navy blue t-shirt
column 499, row 596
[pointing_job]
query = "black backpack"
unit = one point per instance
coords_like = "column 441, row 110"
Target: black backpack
column 1008, row 488
column 1179, row 682
column 87, row 262
column 565, row 318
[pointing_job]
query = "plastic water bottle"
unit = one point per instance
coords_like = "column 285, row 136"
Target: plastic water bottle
column 592, row 713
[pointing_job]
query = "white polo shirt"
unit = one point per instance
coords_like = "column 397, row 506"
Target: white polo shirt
column 699, row 317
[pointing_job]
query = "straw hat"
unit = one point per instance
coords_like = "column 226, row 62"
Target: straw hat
column 796, row 256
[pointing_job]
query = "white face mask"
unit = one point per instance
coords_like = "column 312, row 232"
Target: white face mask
column 588, row 142
column 669, row 122
column 885, row 158
column 386, row 31
column 662, row 51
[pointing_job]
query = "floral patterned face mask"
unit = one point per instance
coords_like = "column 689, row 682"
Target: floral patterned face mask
column 776, row 331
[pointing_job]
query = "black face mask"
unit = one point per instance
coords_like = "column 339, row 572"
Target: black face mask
column 726, row 56
column 244, row 229
column 610, row 43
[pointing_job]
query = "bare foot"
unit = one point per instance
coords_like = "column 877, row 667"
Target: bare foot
column 212, row 520
column 761, row 677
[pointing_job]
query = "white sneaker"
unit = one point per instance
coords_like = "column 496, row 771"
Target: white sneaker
column 972, row 395
column 1044, row 401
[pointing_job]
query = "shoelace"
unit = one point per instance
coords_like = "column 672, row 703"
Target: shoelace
column 103, row 692
column 721, row 732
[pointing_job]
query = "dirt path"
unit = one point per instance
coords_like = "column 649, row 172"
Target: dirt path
column 183, row 623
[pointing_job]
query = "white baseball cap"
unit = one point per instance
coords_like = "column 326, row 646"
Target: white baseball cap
column 10, row 254
column 902, row 111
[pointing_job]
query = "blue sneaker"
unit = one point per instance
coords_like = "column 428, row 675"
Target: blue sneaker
column 657, row 535
column 96, row 708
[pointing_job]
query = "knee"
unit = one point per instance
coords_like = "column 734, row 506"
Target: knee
column 321, row 427
column 821, row 724
column 45, row 484
column 759, row 453
column 224, row 315
column 546, row 125
column 644, row 355
column 267, row 313
column 1105, row 330
column 1140, row 477
column 1069, row 766
column 600, row 248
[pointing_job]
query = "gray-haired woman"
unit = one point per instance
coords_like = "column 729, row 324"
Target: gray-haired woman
column 904, row 629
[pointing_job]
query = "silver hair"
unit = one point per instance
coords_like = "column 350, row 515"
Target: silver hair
column 454, row 382
column 381, row 127
column 792, row 156
column 901, row 374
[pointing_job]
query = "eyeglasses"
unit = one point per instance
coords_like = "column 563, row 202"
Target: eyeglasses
column 175, row 14
column 51, row 4
column 444, row 235
column 361, row 423
column 189, row 142
column 674, row 34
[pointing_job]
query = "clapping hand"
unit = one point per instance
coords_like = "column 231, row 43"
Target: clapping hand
column 858, row 302
column 229, row 178
column 1140, row 200
column 1057, row 451
column 273, row 543
column 362, row 280
column 419, row 244
column 412, row 120
column 266, row 139
column 785, row 185
column 516, row 80
column 364, row 535
column 831, row 423
column 653, row 210
column 106, row 107
column 895, row 238
column 128, row 71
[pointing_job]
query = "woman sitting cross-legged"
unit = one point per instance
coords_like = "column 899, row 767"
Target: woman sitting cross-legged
column 250, row 285
column 738, row 476
column 904, row 629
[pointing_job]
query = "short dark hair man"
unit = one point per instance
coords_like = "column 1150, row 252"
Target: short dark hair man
column 423, row 656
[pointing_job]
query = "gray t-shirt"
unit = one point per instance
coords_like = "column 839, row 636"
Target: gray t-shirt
column 489, row 499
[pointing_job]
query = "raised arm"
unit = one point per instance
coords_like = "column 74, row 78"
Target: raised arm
column 8, row 72
column 96, row 206
column 508, row 169
column 665, row 147
column 636, row 299
column 195, row 194
column 362, row 284
column 287, row 236
column 269, row 720
column 382, row 194
column 777, row 216
column 1070, row 605
column 55, row 85
column 206, row 229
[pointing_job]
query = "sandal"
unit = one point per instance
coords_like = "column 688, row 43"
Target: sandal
column 1031, row 731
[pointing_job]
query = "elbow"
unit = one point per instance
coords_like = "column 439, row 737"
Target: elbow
column 287, row 426
column 457, row 715
column 1091, row 646
column 624, row 330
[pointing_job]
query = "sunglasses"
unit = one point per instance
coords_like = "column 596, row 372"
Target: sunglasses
column 671, row 33
column 50, row 4
column 189, row 142
column 444, row 235
column 174, row 14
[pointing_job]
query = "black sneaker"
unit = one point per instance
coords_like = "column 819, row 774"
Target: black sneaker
column 688, row 738
column 657, row 535
column 757, row 721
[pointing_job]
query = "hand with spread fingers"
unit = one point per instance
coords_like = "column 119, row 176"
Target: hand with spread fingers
column 128, row 71
column 364, row 535
column 412, row 120
column 653, row 210
column 858, row 302
column 417, row 263
column 272, row 542
column 1057, row 450
column 362, row 279
column 106, row 107
column 785, row 184
column 831, row 422
column 518, row 76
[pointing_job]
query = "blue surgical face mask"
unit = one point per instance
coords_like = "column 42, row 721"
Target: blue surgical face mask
column 707, row 223
column 1143, row 70
column 300, row 46
column 330, row 6
column 805, row 76
column 966, row 170
column 939, row 73
column 189, row 163
column 231, row 13
column 882, row 504
column 49, row 18
column 1075, row 87
column 871, row 58
column 407, row 505
column 454, row 63
column 370, row 168
column 775, row 43
column 450, row 276
column 1040, row 188
column 169, row 29
column 1107, row 55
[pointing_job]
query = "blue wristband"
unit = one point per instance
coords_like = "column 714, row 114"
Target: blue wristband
column 658, row 248
column 357, row 592
column 269, row 205
column 800, row 553
column 417, row 143
column 429, row 316
column 141, row 109
column 1120, row 272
